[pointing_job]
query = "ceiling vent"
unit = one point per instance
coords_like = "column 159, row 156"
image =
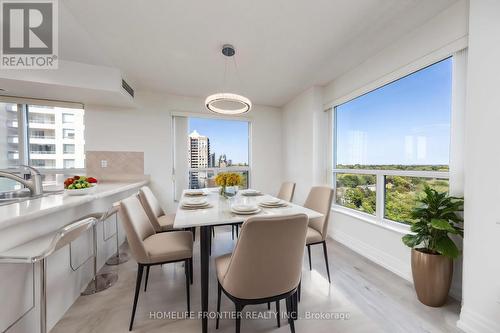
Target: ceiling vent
column 128, row 88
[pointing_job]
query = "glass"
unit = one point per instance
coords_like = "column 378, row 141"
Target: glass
column 357, row 191
column 68, row 148
column 402, row 193
column 68, row 164
column 404, row 125
column 68, row 133
column 68, row 118
column 45, row 139
column 217, row 143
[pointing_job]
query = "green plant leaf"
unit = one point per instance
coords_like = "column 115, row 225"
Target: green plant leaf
column 441, row 224
column 447, row 247
column 411, row 240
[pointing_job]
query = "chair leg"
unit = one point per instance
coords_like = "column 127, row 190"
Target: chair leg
column 269, row 305
column 309, row 254
column 219, row 292
column 232, row 231
column 237, row 230
column 213, row 232
column 193, row 230
column 295, row 303
column 140, row 269
column 191, row 269
column 289, row 314
column 299, row 290
column 188, row 280
column 278, row 313
column 147, row 278
column 325, row 252
column 239, row 307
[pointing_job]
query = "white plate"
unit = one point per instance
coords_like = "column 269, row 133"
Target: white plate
column 194, row 201
column 81, row 191
column 272, row 201
column 250, row 192
column 196, row 207
column 244, row 208
column 194, row 193
column 258, row 210
column 272, row 206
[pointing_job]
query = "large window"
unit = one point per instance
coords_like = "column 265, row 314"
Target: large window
column 216, row 145
column 392, row 142
column 33, row 134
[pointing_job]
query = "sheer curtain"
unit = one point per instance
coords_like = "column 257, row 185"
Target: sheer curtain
column 180, row 163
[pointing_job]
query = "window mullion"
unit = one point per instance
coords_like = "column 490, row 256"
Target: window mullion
column 380, row 197
column 22, row 128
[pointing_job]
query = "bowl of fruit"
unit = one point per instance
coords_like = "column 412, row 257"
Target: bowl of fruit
column 80, row 185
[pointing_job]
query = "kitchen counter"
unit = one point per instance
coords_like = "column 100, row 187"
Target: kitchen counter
column 32, row 209
column 23, row 221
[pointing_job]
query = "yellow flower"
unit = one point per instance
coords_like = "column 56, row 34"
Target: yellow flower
column 228, row 179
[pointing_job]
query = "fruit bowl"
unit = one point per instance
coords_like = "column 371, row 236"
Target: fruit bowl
column 80, row 185
column 81, row 191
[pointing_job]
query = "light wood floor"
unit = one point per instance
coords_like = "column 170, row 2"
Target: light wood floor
column 374, row 299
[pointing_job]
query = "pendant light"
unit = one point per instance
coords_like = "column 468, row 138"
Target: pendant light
column 228, row 103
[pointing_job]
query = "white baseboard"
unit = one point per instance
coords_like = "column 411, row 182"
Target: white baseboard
column 398, row 267
column 473, row 322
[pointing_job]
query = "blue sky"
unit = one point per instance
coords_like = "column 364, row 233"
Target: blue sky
column 228, row 137
column 405, row 122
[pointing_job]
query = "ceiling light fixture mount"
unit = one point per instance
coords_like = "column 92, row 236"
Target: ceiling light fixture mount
column 228, row 103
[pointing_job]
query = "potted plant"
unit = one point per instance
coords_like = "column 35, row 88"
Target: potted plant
column 433, row 250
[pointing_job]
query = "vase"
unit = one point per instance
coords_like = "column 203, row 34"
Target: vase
column 432, row 274
column 223, row 192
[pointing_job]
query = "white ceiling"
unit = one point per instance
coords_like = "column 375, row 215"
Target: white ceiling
column 283, row 46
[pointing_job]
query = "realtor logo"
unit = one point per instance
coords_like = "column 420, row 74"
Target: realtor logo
column 29, row 34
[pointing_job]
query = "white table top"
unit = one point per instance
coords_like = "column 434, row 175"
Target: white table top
column 220, row 212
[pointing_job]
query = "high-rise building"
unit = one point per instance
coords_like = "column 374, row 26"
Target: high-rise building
column 55, row 137
column 211, row 161
column 198, row 157
column 222, row 161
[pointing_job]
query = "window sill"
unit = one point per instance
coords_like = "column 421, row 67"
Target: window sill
column 382, row 223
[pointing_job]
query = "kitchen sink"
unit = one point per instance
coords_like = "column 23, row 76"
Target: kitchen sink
column 24, row 194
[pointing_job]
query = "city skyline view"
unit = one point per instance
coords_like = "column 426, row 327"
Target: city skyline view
column 227, row 137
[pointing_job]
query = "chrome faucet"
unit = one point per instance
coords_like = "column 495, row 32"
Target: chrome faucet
column 34, row 184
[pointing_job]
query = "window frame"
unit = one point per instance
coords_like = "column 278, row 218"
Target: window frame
column 188, row 115
column 379, row 217
column 23, row 132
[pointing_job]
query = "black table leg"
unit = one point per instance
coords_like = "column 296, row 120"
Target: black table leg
column 205, row 235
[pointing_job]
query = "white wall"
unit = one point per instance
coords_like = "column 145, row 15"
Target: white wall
column 437, row 38
column 148, row 128
column 481, row 287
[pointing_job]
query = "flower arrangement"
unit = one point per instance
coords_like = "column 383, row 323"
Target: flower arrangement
column 225, row 179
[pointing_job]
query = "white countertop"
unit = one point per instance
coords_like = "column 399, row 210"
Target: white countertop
column 35, row 208
column 220, row 211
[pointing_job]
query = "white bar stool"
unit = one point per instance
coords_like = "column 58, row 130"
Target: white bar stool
column 39, row 249
column 102, row 281
column 120, row 257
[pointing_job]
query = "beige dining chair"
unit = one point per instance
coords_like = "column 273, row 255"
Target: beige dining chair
column 149, row 248
column 160, row 220
column 265, row 265
column 320, row 200
column 286, row 192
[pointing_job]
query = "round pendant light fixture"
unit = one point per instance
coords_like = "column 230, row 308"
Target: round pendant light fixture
column 228, row 103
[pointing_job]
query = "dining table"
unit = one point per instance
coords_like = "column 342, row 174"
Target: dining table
column 219, row 212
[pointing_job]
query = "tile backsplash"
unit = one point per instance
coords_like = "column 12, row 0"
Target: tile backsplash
column 115, row 165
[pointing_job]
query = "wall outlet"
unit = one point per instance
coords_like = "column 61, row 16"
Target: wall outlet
column 104, row 163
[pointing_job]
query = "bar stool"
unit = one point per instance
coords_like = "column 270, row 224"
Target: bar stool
column 39, row 249
column 120, row 257
column 102, row 281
